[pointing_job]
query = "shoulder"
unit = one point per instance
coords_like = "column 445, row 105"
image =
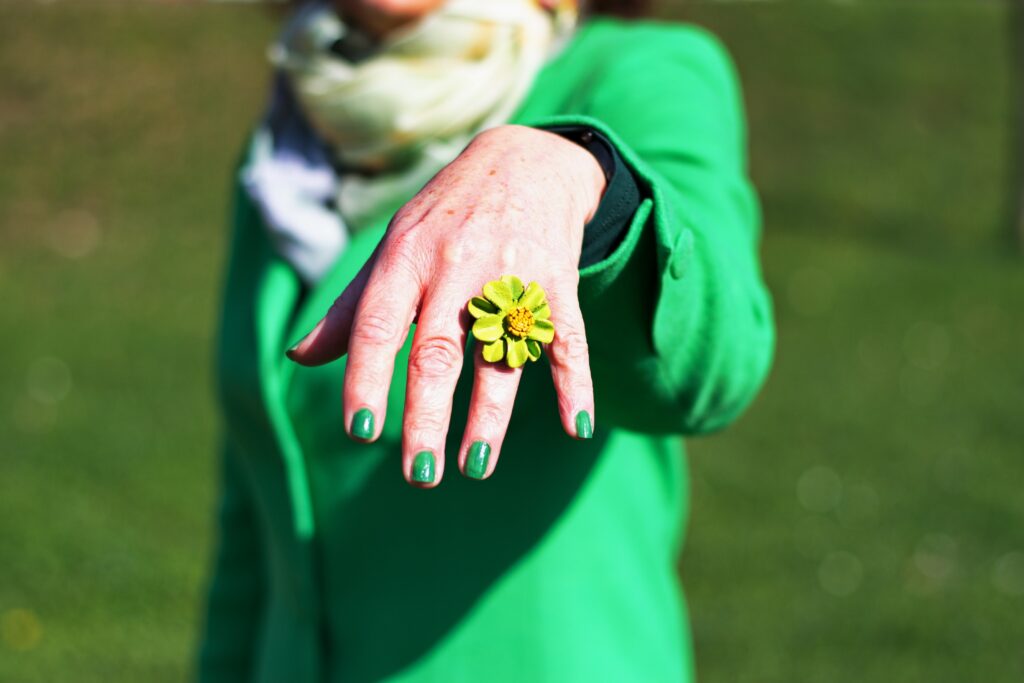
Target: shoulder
column 652, row 41
column 615, row 65
column 617, row 56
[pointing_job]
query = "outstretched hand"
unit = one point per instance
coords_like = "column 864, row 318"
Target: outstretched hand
column 514, row 202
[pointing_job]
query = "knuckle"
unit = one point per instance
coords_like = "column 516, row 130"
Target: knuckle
column 565, row 403
column 403, row 216
column 426, row 426
column 376, row 328
column 404, row 254
column 435, row 356
column 574, row 389
column 401, row 241
column 570, row 347
column 491, row 415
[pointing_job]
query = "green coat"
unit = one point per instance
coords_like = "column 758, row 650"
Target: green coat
column 560, row 567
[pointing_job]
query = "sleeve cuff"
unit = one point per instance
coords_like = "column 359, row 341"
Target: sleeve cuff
column 621, row 199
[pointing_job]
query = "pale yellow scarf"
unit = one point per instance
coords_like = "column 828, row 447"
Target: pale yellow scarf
column 412, row 104
column 463, row 67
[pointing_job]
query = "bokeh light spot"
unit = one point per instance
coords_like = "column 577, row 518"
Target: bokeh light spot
column 819, row 489
column 1008, row 574
column 74, row 234
column 20, row 629
column 927, row 345
column 48, row 380
column 841, row 573
column 935, row 557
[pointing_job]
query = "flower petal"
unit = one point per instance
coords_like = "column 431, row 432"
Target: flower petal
column 514, row 284
column 543, row 312
column 494, row 351
column 517, row 353
column 533, row 297
column 543, row 331
column 479, row 307
column 488, row 328
column 533, row 348
column 499, row 294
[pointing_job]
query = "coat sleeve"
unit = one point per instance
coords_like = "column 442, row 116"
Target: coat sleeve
column 237, row 586
column 679, row 321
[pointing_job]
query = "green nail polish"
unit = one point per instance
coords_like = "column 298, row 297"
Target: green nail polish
column 423, row 468
column 476, row 461
column 584, row 430
column 362, row 424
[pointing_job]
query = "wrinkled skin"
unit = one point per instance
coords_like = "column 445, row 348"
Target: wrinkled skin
column 515, row 201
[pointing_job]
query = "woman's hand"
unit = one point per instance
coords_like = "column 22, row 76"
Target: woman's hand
column 514, row 202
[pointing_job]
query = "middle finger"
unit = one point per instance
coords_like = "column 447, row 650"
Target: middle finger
column 490, row 409
column 435, row 362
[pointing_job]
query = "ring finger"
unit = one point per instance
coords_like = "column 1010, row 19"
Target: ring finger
column 490, row 409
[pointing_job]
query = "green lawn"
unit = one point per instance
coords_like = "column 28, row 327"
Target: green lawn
column 863, row 522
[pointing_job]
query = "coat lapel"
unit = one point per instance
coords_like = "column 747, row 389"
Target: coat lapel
column 281, row 319
column 276, row 296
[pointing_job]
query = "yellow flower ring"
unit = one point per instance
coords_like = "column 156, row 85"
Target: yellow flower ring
column 511, row 321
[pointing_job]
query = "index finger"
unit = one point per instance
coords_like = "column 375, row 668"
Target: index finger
column 379, row 329
column 570, row 364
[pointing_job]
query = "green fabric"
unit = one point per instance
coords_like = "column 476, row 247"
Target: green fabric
column 561, row 567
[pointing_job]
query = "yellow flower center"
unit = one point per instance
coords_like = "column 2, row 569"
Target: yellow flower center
column 519, row 321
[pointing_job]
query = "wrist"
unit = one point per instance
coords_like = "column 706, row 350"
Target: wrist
column 578, row 172
column 590, row 178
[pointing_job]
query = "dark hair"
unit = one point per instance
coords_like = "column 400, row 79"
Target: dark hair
column 622, row 8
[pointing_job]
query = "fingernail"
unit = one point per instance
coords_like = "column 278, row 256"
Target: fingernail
column 423, row 468
column 362, row 424
column 584, row 430
column 295, row 347
column 476, row 461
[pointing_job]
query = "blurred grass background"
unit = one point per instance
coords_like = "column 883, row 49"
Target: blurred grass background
column 863, row 522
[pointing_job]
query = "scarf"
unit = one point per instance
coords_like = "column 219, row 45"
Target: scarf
column 356, row 128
